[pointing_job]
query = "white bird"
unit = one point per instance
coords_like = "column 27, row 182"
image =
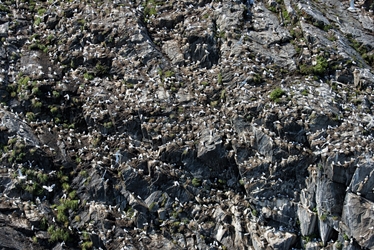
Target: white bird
column 20, row 175
column 49, row 188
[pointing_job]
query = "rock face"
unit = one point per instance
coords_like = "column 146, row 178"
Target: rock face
column 186, row 124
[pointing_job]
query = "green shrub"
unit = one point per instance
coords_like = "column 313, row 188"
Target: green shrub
column 36, row 104
column 83, row 173
column 24, row 80
column 219, row 79
column 4, row 8
column 43, row 223
column 58, row 234
column 169, row 73
column 30, row 116
column 254, row 213
column 276, row 94
column 53, row 109
column 321, row 66
column 108, row 125
column 43, row 178
column 88, row 76
column 65, row 186
column 100, row 69
column 55, row 94
column 338, row 245
column 37, row 21
column 73, row 194
column 87, row 245
column 41, row 11
column 305, row 92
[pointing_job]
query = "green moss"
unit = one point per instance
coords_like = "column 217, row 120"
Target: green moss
column 4, row 8
column 53, row 109
column 30, row 116
column 43, row 178
column 149, row 9
column 58, row 234
column 196, row 182
column 43, row 223
column 345, row 237
column 108, row 125
column 65, row 186
column 272, row 8
column 88, row 76
column 77, row 218
column 151, row 206
column 254, row 213
column 36, row 104
column 276, row 94
column 83, row 173
column 323, row 217
column 257, row 78
column 169, row 73
column 41, row 11
column 130, row 212
column 219, row 78
column 221, row 34
column 100, row 69
column 321, row 66
column 24, row 80
column 213, row 104
column 73, row 194
column 338, row 245
column 305, row 92
column 72, row 204
column 86, row 245
column 78, row 160
column 285, row 15
column 37, row 21
column 223, row 94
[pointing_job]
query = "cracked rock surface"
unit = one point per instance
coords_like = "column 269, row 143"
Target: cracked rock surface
column 182, row 124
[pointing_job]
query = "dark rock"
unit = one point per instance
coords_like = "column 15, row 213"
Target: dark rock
column 12, row 239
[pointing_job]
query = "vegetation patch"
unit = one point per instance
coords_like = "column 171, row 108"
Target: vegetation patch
column 276, row 94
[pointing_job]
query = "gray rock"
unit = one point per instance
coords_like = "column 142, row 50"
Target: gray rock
column 308, row 220
column 279, row 240
column 357, row 216
column 4, row 29
column 38, row 66
column 329, row 196
column 18, row 127
column 12, row 239
column 325, row 230
column 362, row 182
column 313, row 13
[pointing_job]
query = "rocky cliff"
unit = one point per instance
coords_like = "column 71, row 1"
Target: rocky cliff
column 183, row 124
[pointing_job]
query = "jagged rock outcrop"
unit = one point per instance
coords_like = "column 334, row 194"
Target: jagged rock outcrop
column 186, row 125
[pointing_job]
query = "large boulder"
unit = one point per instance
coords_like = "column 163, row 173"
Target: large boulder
column 358, row 218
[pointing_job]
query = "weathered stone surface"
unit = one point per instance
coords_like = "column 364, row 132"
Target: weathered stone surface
column 308, row 220
column 280, row 240
column 362, row 182
column 329, row 196
column 12, row 239
column 358, row 217
column 183, row 125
